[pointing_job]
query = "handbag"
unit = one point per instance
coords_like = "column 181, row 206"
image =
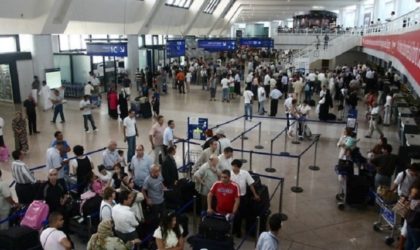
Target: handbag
column 388, row 196
column 402, row 207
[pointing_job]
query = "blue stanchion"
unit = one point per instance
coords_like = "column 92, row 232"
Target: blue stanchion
column 264, row 153
column 308, row 120
column 246, row 131
column 310, row 145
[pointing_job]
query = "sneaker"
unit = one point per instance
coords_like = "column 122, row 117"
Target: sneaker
column 87, row 131
column 95, row 130
column 62, row 121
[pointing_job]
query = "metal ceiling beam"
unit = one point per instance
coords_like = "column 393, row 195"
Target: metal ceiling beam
column 196, row 15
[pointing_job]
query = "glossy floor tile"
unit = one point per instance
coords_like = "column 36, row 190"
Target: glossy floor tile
column 314, row 220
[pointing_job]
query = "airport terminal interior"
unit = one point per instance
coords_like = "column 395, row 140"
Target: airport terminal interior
column 210, row 124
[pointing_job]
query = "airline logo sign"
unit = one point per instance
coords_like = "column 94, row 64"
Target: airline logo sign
column 107, row 49
column 404, row 47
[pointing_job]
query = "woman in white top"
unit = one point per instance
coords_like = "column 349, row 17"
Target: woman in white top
column 169, row 234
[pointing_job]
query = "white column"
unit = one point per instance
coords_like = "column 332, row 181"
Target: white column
column 133, row 55
column 42, row 55
column 358, row 20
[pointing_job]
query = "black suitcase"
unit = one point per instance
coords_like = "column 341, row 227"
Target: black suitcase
column 91, row 206
column 19, row 238
column 357, row 190
column 197, row 243
column 331, row 117
column 146, row 110
column 172, row 199
column 260, row 208
column 215, row 228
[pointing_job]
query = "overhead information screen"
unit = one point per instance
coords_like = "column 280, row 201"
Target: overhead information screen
column 257, row 42
column 106, row 49
column 217, row 45
column 175, row 48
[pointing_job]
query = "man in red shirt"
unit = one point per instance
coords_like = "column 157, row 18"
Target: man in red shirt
column 226, row 193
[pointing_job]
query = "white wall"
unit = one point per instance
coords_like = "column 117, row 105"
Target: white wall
column 25, row 76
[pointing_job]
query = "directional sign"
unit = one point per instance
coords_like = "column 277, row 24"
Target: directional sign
column 107, row 49
column 217, row 45
column 175, row 48
column 257, row 42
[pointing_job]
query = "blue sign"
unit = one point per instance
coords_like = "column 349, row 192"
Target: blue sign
column 175, row 48
column 197, row 128
column 217, row 45
column 257, row 42
column 107, row 49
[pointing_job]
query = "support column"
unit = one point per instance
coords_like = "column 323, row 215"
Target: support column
column 133, row 56
column 42, row 55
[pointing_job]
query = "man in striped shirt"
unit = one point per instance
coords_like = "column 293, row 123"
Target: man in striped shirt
column 25, row 180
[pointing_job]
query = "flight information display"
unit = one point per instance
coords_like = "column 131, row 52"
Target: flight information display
column 257, row 42
column 217, row 45
column 175, row 48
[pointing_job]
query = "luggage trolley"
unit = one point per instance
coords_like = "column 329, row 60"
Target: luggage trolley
column 388, row 220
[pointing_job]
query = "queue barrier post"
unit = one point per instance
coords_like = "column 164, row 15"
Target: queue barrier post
column 283, row 216
column 243, row 134
column 270, row 169
column 250, row 160
column 297, row 189
column 285, row 153
column 259, row 146
column 195, row 214
column 257, row 230
column 242, row 149
column 314, row 167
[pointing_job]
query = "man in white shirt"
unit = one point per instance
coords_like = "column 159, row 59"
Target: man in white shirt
column 285, row 83
column 374, row 123
column 225, row 89
column 54, row 159
column 288, row 107
column 387, row 107
column 275, row 96
column 261, row 100
column 25, row 180
column 205, row 155
column 124, row 219
column 267, row 79
column 86, row 108
column 130, row 133
column 110, row 156
column 244, row 180
column 88, row 89
column 140, row 166
column 169, row 136
column 52, row 238
column 248, row 95
column 303, row 114
column 156, row 138
column 225, row 159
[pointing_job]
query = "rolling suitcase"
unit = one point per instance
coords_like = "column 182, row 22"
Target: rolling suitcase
column 215, row 228
column 19, row 238
column 198, row 243
column 146, row 110
column 357, row 189
column 36, row 215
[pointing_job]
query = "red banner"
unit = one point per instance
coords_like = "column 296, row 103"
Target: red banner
column 404, row 47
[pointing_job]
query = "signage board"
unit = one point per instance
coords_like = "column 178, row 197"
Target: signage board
column 175, row 48
column 107, row 49
column 217, row 45
column 197, row 127
column 257, row 42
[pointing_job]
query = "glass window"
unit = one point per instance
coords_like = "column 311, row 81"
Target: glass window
column 211, row 6
column 148, row 40
column 64, row 42
column 75, row 42
column 8, row 44
column 186, row 4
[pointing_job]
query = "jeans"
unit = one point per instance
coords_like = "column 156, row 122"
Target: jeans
column 261, row 109
column 248, row 111
column 85, row 120
column 131, row 144
column 308, row 95
column 413, row 238
column 225, row 96
column 58, row 109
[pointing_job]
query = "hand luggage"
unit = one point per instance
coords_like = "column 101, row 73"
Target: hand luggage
column 19, row 238
column 331, row 117
column 307, row 131
column 145, row 110
column 215, row 228
column 198, row 243
column 258, row 208
column 91, row 206
column 36, row 215
column 312, row 103
column 172, row 199
column 357, row 189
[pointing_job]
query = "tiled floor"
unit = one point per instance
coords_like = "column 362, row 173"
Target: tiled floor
column 314, row 220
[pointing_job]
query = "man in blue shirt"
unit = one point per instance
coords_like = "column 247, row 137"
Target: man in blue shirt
column 269, row 240
column 58, row 135
column 140, row 166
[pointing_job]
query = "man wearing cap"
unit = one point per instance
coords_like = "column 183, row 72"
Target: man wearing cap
column 130, row 133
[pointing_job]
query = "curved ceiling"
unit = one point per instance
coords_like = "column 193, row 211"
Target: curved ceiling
column 145, row 16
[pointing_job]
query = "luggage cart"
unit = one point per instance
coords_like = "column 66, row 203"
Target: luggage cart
column 388, row 220
column 191, row 157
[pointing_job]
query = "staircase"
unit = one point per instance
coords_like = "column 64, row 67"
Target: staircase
column 336, row 46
